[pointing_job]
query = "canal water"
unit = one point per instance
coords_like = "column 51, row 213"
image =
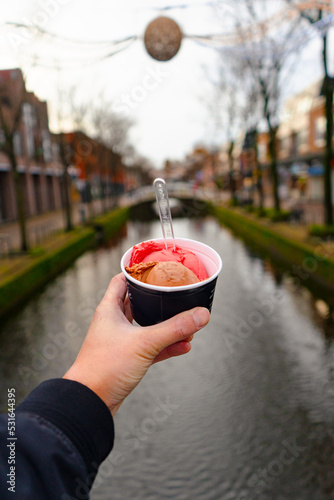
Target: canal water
column 247, row 414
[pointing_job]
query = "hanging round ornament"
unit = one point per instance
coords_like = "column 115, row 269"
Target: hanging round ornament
column 163, row 38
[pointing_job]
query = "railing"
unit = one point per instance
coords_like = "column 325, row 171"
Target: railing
column 5, row 245
column 177, row 190
column 42, row 232
column 37, row 235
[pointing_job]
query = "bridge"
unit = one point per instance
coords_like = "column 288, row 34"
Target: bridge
column 177, row 191
column 184, row 200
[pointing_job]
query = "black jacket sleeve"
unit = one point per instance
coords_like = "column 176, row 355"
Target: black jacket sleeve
column 63, row 432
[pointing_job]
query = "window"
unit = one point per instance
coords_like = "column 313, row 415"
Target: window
column 29, row 123
column 294, row 143
column 5, row 101
column 285, row 145
column 18, row 144
column 262, row 151
column 47, row 151
column 302, row 139
column 55, row 151
column 319, row 131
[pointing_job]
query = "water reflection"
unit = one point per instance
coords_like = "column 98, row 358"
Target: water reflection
column 247, row 414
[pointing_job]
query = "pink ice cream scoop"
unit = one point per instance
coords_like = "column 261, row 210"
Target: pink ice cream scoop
column 156, row 251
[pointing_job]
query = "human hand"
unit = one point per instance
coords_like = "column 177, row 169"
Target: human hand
column 116, row 355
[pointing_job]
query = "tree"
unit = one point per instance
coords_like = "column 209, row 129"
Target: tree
column 65, row 157
column 313, row 12
column 111, row 131
column 265, row 54
column 226, row 110
column 105, row 130
column 251, row 117
column 65, row 154
column 110, row 128
column 10, row 118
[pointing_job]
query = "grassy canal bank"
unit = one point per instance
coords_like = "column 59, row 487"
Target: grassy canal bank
column 21, row 276
column 308, row 259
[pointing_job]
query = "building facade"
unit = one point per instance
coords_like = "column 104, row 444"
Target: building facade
column 301, row 145
column 26, row 117
column 97, row 172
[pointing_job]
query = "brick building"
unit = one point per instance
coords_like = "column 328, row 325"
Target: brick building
column 301, row 143
column 27, row 117
column 96, row 170
column 300, row 148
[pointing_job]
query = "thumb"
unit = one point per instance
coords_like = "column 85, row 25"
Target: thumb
column 177, row 328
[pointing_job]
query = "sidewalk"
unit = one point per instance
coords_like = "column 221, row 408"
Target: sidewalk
column 39, row 227
column 312, row 211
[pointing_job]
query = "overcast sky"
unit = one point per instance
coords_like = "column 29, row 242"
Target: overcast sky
column 164, row 99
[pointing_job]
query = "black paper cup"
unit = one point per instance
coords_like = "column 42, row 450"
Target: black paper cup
column 151, row 304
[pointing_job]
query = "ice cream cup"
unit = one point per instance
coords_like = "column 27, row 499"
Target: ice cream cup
column 151, row 304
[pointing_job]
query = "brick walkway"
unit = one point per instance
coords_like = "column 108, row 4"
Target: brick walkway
column 313, row 212
column 39, row 228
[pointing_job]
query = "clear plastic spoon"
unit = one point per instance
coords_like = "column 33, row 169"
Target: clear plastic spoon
column 161, row 194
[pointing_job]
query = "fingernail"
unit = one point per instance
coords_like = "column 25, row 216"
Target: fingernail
column 201, row 316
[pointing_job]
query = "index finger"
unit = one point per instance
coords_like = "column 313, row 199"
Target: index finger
column 116, row 291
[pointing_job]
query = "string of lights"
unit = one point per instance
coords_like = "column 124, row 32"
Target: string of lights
column 74, row 53
column 80, row 53
column 40, row 31
column 228, row 40
column 65, row 63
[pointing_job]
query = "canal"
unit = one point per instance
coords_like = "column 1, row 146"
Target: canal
column 247, row 414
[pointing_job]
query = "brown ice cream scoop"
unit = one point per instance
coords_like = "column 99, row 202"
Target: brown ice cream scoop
column 163, row 273
column 140, row 271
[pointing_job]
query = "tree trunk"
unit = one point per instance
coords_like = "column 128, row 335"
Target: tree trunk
column 259, row 180
column 19, row 203
column 260, row 188
column 231, row 172
column 273, row 156
column 90, row 201
column 259, row 172
column 328, row 92
column 9, row 150
column 328, row 157
column 67, row 202
column 103, row 193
